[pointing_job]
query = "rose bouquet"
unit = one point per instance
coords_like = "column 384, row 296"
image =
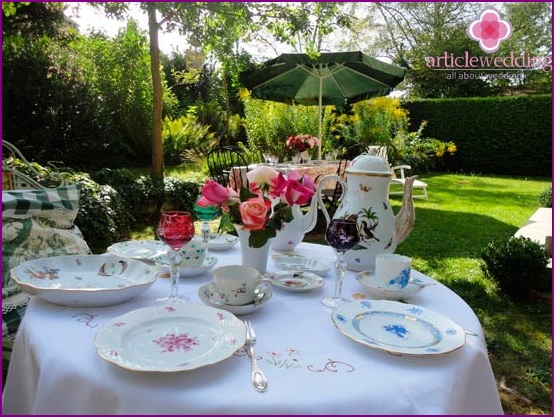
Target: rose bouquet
column 301, row 143
column 263, row 206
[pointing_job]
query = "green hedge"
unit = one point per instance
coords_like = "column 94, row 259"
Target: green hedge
column 493, row 135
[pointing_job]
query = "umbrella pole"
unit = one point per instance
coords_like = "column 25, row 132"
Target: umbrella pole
column 320, row 116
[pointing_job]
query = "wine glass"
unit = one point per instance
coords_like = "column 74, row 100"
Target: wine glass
column 175, row 229
column 341, row 235
column 206, row 214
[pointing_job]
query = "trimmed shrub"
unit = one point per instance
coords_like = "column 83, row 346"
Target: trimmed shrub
column 517, row 265
column 545, row 198
column 493, row 135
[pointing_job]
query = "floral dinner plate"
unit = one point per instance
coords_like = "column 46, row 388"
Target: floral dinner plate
column 170, row 338
column 398, row 328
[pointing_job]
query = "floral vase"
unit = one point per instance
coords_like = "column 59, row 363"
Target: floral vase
column 305, row 156
column 292, row 233
column 296, row 158
column 253, row 257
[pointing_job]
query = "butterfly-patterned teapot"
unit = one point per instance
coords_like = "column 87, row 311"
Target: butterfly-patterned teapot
column 365, row 198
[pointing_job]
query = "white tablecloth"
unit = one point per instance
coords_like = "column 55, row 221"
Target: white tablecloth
column 311, row 367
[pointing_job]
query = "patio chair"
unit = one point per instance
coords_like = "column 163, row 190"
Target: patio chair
column 37, row 222
column 228, row 166
column 400, row 179
column 399, row 176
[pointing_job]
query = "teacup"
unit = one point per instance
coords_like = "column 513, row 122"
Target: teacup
column 237, row 284
column 193, row 253
column 392, row 270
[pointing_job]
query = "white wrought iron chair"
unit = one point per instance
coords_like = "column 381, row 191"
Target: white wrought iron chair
column 400, row 179
column 399, row 176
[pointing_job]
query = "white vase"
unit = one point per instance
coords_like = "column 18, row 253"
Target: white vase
column 253, row 257
column 305, row 155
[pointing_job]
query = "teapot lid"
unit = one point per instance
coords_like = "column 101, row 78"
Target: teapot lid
column 369, row 164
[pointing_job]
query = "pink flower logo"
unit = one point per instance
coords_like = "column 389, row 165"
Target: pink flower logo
column 489, row 30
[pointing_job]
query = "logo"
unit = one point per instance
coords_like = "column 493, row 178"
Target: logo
column 489, row 30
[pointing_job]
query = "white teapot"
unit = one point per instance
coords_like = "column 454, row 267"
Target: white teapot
column 365, row 198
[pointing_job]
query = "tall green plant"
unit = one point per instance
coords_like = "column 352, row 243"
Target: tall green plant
column 184, row 139
column 269, row 124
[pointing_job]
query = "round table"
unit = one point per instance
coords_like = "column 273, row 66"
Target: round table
column 311, row 367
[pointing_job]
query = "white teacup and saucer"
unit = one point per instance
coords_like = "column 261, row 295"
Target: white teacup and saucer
column 209, row 295
column 236, row 288
column 391, row 279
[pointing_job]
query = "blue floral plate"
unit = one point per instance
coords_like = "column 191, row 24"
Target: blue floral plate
column 398, row 328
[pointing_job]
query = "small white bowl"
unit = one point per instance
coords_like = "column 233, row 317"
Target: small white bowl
column 378, row 290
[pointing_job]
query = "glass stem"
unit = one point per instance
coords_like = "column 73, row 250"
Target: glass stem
column 205, row 231
column 174, row 262
column 340, row 269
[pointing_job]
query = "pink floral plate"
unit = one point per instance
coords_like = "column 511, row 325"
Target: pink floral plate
column 170, row 338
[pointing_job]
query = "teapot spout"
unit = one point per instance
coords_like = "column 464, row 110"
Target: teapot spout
column 405, row 218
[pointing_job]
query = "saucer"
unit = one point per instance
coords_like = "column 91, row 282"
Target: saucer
column 295, row 281
column 186, row 272
column 208, row 294
column 380, row 290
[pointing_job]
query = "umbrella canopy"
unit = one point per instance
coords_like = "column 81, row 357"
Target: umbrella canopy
column 334, row 78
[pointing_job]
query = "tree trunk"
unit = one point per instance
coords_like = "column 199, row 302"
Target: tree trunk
column 157, row 169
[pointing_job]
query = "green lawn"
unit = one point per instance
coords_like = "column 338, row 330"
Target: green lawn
column 462, row 215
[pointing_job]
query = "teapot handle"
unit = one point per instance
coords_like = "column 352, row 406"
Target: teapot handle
column 325, row 179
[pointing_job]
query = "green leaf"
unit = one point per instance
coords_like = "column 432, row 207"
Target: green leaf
column 258, row 238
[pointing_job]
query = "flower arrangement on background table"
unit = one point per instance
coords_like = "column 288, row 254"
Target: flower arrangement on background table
column 301, row 143
column 263, row 206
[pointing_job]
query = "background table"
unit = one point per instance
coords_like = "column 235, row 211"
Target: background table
column 311, row 367
column 315, row 169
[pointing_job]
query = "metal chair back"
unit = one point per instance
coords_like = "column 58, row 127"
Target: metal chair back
column 225, row 164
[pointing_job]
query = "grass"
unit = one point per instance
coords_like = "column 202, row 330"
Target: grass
column 462, row 215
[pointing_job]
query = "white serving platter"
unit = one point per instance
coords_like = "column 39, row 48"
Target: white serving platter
column 398, row 328
column 300, row 263
column 84, row 280
column 170, row 338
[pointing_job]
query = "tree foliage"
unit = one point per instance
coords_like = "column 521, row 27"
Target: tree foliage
column 414, row 31
column 83, row 100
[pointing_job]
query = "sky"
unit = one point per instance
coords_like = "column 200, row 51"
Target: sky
column 89, row 19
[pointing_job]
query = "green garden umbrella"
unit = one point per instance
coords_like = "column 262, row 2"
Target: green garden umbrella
column 334, row 78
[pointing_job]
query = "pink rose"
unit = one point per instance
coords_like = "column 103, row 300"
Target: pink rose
column 299, row 192
column 261, row 175
column 254, row 212
column 278, row 185
column 213, row 194
column 297, row 189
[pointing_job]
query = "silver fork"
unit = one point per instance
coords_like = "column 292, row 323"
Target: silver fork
column 259, row 382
